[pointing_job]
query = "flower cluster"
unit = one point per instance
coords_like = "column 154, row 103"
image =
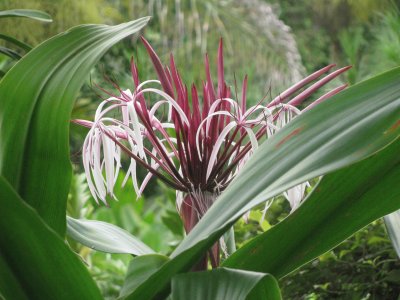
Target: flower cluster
column 193, row 140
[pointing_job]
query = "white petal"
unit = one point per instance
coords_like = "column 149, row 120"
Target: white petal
column 138, row 138
column 96, row 168
column 201, row 125
column 216, row 148
column 252, row 137
column 172, row 101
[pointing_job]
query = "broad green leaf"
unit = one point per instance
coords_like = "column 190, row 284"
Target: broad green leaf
column 42, row 266
column 343, row 130
column 392, row 222
column 139, row 270
column 16, row 42
column 225, row 284
column 102, row 236
column 229, row 239
column 34, row 143
column 9, row 286
column 342, row 203
column 10, row 53
column 27, row 13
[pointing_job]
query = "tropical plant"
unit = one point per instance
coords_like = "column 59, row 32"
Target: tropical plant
column 25, row 13
column 206, row 145
column 352, row 138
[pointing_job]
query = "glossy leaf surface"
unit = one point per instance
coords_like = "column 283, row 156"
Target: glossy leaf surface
column 343, row 202
column 37, row 98
column 105, row 237
column 225, row 284
column 139, row 270
column 26, row 13
column 36, row 261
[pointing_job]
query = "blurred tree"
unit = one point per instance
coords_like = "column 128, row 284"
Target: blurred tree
column 257, row 42
column 65, row 14
column 385, row 51
column 324, row 29
column 253, row 34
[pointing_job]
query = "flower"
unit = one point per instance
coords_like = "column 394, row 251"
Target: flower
column 194, row 142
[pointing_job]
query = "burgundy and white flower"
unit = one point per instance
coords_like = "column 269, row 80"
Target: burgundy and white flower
column 193, row 140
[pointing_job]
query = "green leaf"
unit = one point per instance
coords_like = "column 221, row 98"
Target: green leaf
column 225, row 284
column 16, row 42
column 139, row 270
column 102, row 236
column 78, row 196
column 34, row 131
column 27, row 13
column 392, row 222
column 41, row 265
column 343, row 130
column 229, row 239
column 10, row 53
column 341, row 204
column 172, row 220
column 9, row 286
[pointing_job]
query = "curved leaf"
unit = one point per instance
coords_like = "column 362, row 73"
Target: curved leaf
column 139, row 270
column 225, row 284
column 10, row 288
column 392, row 222
column 41, row 265
column 102, row 236
column 27, row 13
column 349, row 127
column 342, row 203
column 16, row 42
column 10, row 53
column 34, row 143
